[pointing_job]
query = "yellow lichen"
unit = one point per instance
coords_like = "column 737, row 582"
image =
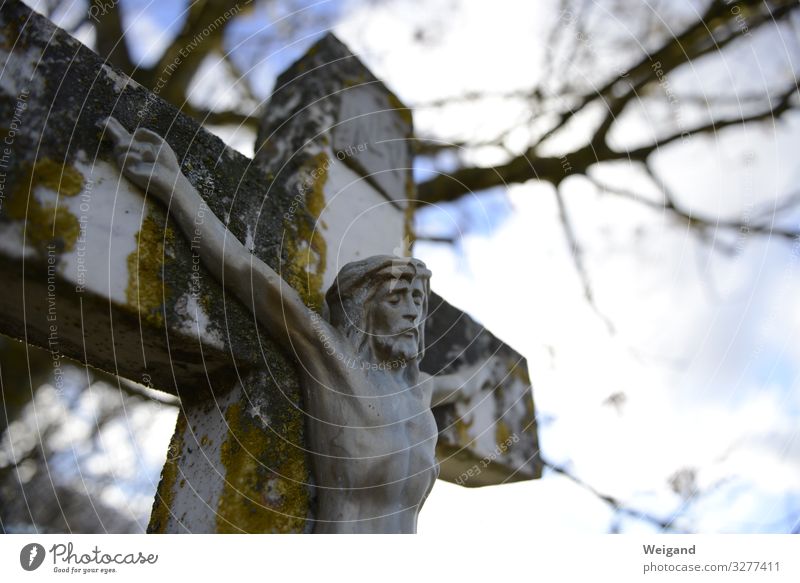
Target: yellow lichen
column 518, row 370
column 64, row 180
column 46, row 221
column 159, row 518
column 502, row 434
column 255, row 458
column 308, row 252
column 411, row 207
column 146, row 288
column 400, row 108
column 462, row 431
column 356, row 81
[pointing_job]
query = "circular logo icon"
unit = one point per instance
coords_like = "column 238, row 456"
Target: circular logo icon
column 31, row 556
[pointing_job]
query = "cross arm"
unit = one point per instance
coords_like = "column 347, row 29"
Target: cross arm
column 149, row 161
column 464, row 383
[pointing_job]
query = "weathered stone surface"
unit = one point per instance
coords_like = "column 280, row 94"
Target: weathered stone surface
column 233, row 465
column 491, row 438
column 368, row 117
column 348, row 215
column 96, row 273
column 121, row 281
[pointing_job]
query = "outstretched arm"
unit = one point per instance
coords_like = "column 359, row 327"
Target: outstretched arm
column 466, row 382
column 148, row 161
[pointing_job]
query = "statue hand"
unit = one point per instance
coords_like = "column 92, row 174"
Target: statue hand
column 494, row 371
column 145, row 158
column 487, row 376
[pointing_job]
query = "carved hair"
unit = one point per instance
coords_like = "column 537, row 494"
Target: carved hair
column 349, row 299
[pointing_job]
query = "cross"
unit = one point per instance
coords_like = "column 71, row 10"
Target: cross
column 98, row 271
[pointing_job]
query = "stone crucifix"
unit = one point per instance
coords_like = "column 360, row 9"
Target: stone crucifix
column 371, row 431
column 280, row 387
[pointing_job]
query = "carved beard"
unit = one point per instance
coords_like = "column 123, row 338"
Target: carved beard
column 395, row 348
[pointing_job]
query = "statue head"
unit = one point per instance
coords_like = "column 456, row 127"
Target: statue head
column 380, row 303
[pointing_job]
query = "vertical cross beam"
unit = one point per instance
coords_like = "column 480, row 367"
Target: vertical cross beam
column 337, row 142
column 97, row 273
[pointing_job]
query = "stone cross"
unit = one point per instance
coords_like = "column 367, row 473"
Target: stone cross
column 97, row 272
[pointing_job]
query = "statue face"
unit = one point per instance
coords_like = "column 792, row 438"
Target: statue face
column 396, row 318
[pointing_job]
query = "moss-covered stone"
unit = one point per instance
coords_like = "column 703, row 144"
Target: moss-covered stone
column 48, row 222
column 265, row 476
column 306, row 248
column 160, row 515
column 147, row 290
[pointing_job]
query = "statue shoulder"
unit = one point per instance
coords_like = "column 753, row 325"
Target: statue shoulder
column 330, row 347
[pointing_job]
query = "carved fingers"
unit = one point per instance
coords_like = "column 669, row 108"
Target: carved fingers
column 117, row 131
column 496, row 371
column 144, row 157
column 491, row 373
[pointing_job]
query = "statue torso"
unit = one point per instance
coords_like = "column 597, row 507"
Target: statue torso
column 372, row 439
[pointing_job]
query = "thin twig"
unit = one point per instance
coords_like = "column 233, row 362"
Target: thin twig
column 577, row 257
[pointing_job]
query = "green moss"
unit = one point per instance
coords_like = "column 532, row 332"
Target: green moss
column 46, row 222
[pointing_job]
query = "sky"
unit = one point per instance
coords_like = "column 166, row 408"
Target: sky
column 706, row 347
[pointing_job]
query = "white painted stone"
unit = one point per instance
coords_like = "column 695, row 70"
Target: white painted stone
column 110, row 211
column 370, row 136
column 357, row 221
column 201, row 473
column 10, row 242
column 196, row 322
column 17, row 72
column 120, row 81
column 108, row 233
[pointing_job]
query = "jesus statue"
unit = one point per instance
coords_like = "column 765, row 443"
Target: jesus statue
column 372, row 434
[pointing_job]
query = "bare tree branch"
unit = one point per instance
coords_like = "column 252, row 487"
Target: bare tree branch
column 782, row 104
column 201, row 34
column 472, row 97
column 110, row 34
column 577, row 258
column 432, row 239
column 716, row 28
column 700, row 222
column 665, row 524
